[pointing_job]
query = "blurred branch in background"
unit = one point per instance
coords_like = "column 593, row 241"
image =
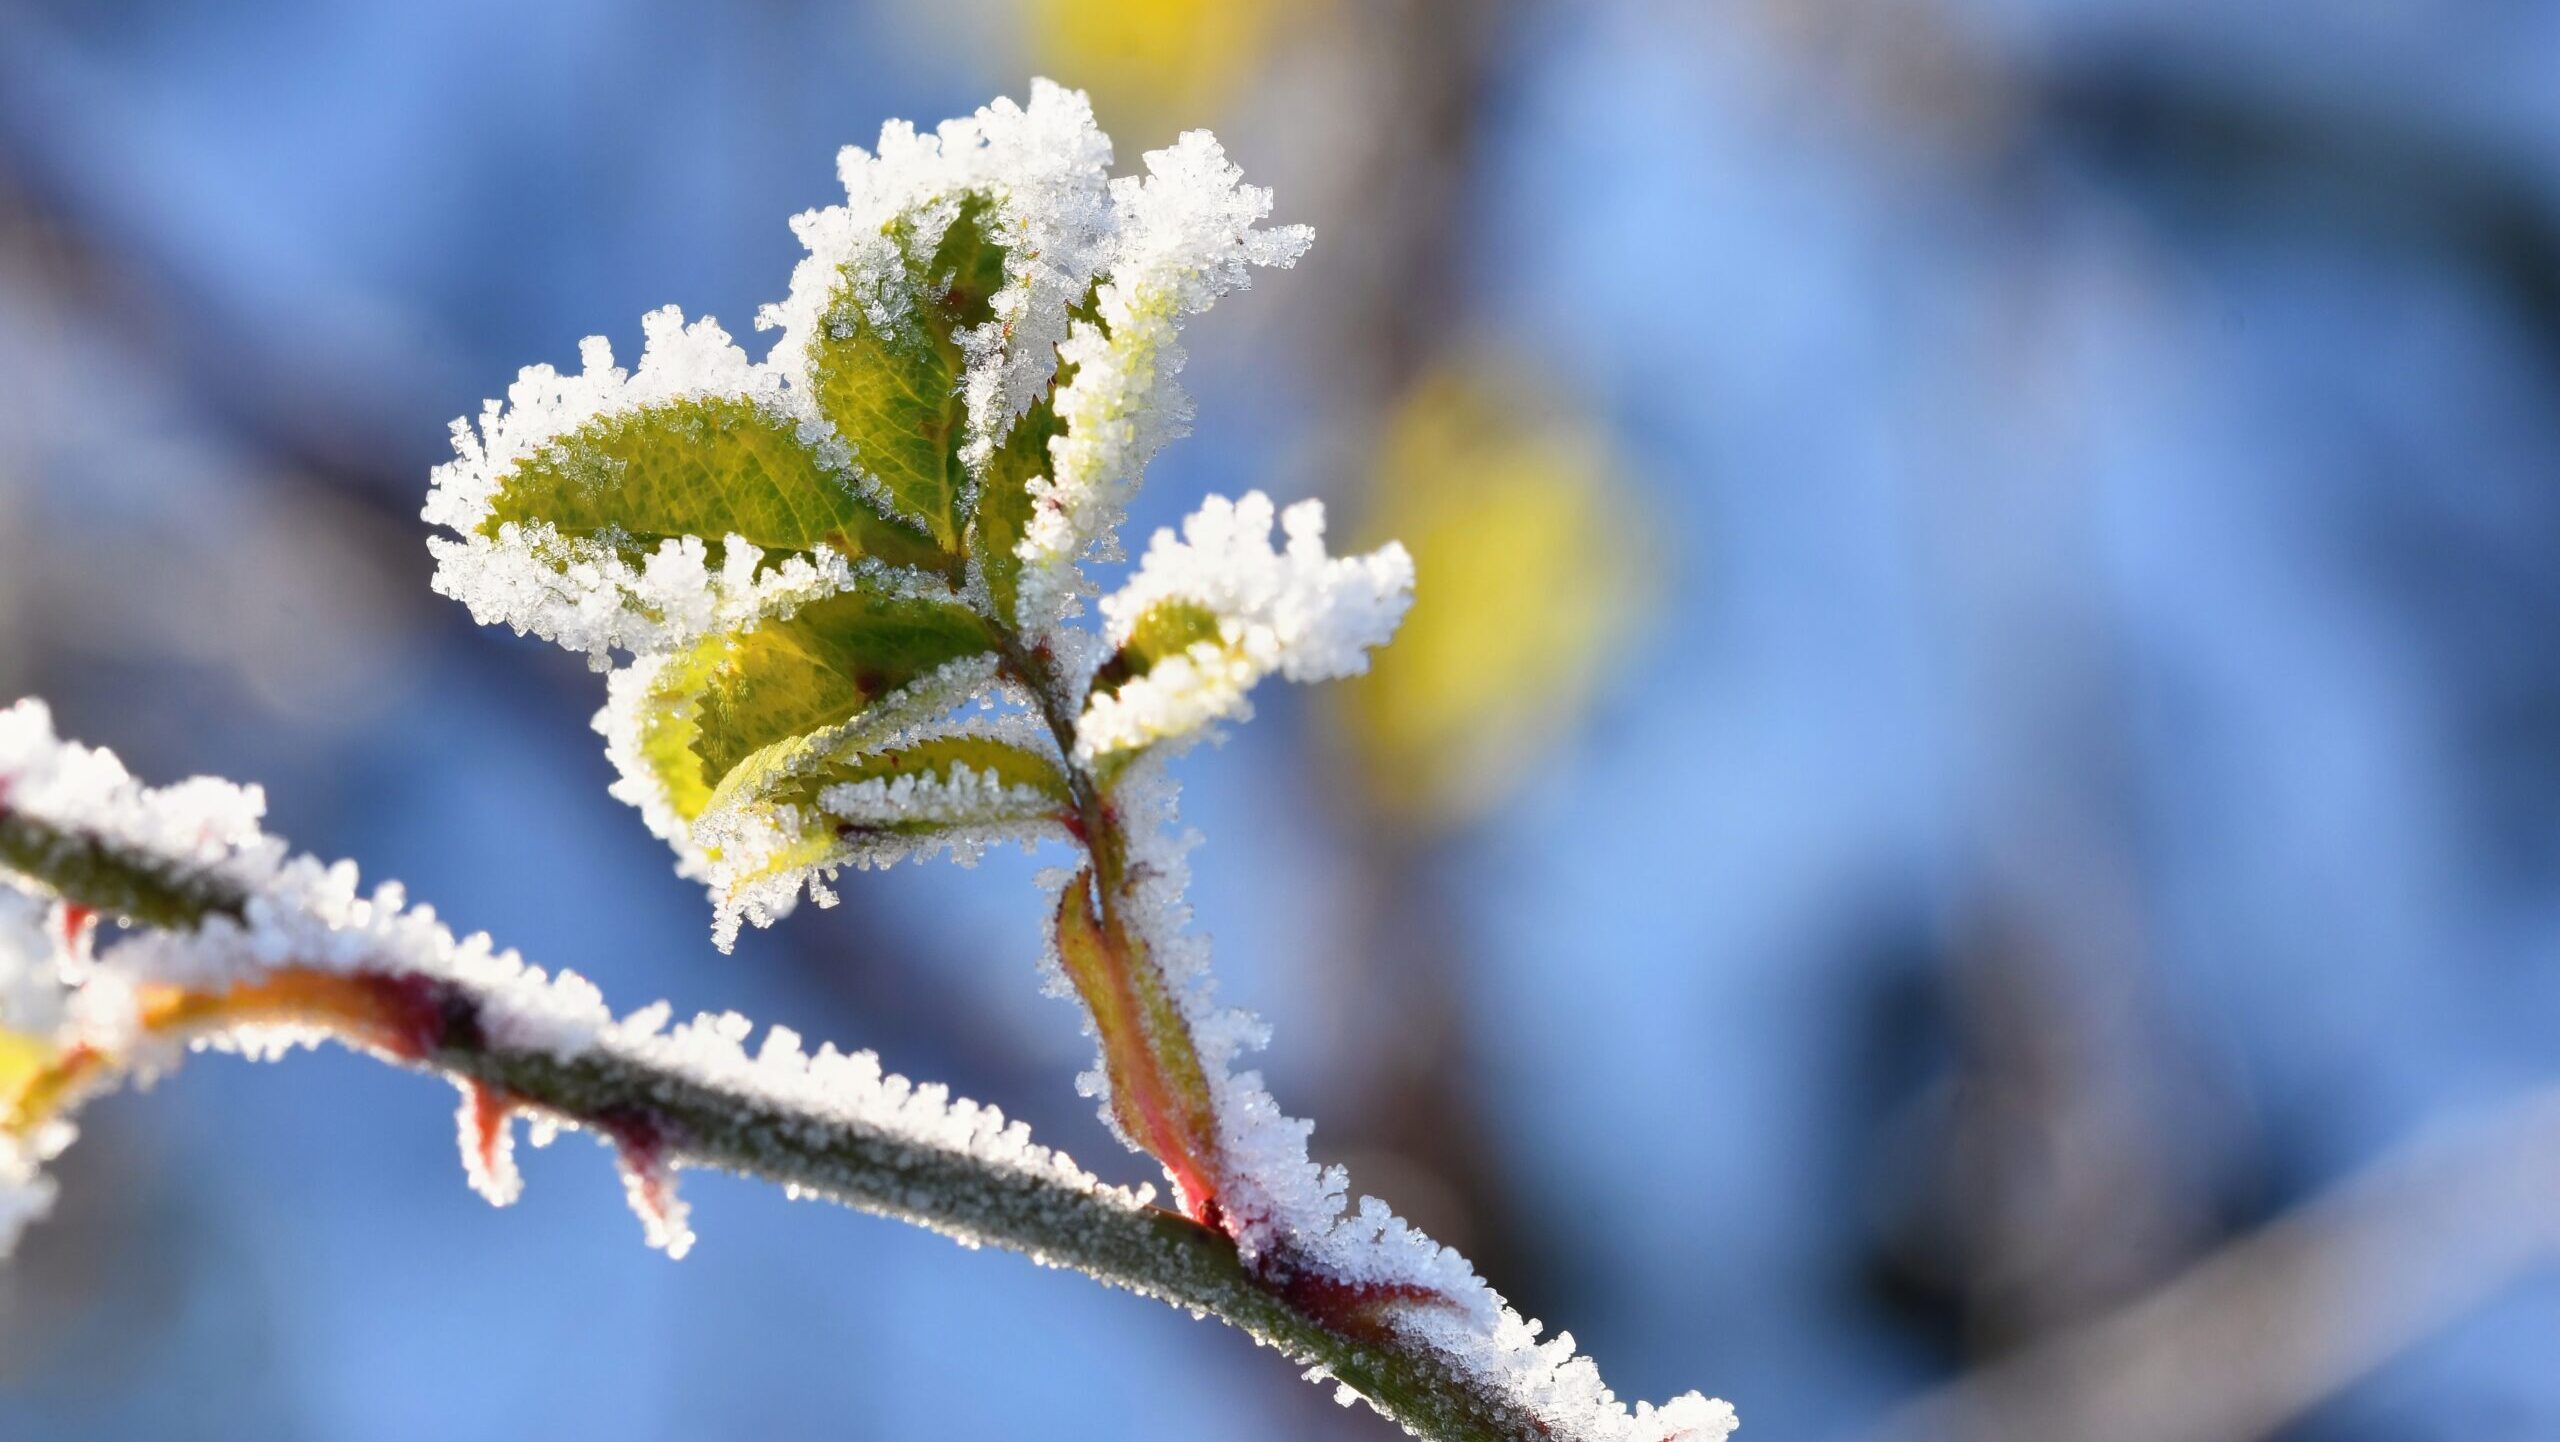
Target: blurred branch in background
column 2059, row 1173
column 2237, row 1346
column 2208, row 149
column 2200, row 140
column 113, row 472
column 2065, row 1161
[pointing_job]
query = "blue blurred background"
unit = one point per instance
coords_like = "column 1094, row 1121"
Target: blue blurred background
column 1965, row 841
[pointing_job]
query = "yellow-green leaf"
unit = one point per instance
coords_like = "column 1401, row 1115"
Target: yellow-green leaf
column 712, row 467
column 668, row 729
column 1164, row 629
column 795, row 680
column 937, row 758
column 771, row 822
column 893, row 390
column 1004, row 503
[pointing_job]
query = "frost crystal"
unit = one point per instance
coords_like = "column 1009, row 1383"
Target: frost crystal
column 756, row 857
column 1044, row 165
column 26, row 1193
column 582, row 591
column 203, row 824
column 1298, row 611
column 959, row 808
column 678, row 361
column 728, row 846
column 33, row 988
column 1183, row 237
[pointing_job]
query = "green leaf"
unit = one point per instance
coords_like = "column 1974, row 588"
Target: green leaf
column 1167, row 628
column 775, row 796
column 937, row 757
column 668, row 729
column 711, row 467
column 893, row 392
column 789, row 685
column 822, row 666
column 1004, row 503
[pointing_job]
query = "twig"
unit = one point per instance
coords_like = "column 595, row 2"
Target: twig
column 1142, row 1249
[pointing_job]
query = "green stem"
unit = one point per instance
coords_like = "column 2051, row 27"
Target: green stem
column 89, row 872
column 1159, row 1087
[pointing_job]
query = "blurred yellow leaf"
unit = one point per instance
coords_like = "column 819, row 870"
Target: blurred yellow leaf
column 1152, row 59
column 1530, row 563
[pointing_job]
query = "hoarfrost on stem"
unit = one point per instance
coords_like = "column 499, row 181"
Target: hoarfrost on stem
column 288, row 925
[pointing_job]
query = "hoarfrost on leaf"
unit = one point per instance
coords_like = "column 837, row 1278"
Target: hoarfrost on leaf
column 1043, row 167
column 634, row 511
column 1215, row 610
column 1183, row 235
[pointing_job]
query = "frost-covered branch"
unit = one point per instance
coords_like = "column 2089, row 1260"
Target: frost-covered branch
column 833, row 1128
column 233, row 945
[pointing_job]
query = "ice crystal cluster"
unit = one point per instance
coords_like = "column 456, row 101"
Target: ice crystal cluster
column 839, row 591
column 1253, row 611
column 815, row 561
column 293, row 952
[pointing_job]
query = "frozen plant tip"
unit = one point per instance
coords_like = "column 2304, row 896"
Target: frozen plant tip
column 838, row 591
column 1208, row 615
